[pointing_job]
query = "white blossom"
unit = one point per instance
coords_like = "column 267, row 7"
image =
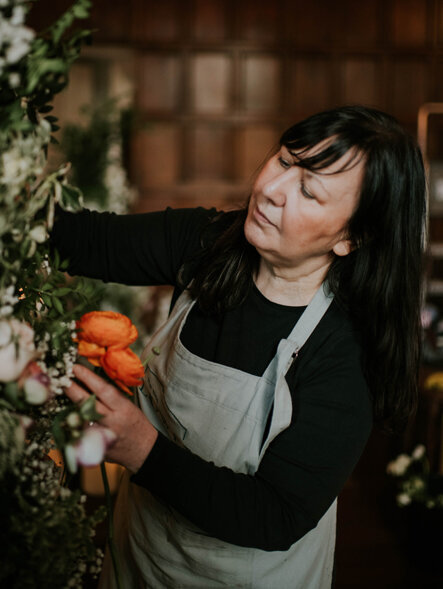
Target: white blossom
column 419, row 452
column 403, row 499
column 398, row 466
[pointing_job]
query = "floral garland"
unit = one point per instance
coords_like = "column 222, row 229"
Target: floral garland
column 46, row 534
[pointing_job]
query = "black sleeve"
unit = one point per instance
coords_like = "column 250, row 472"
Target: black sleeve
column 141, row 249
column 301, row 473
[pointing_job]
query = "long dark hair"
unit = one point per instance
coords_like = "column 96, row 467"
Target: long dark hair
column 379, row 282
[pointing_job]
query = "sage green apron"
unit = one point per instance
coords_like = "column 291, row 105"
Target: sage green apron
column 219, row 413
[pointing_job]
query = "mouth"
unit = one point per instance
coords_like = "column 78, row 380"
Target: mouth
column 261, row 218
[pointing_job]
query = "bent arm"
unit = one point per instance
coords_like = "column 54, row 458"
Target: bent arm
column 301, row 473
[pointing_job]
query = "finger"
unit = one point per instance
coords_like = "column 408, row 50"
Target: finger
column 106, row 393
column 79, row 396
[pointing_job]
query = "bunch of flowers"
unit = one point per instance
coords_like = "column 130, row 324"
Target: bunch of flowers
column 416, row 483
column 104, row 338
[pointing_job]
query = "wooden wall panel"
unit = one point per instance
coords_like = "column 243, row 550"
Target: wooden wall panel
column 259, row 21
column 408, row 23
column 409, row 88
column 209, row 20
column 155, row 20
column 254, row 144
column 211, row 151
column 310, row 85
column 219, row 76
column 361, row 24
column 156, row 161
column 210, row 82
column 159, row 77
column 361, row 82
column 261, row 83
column 312, row 25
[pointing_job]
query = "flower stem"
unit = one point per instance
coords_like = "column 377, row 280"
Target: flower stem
column 111, row 544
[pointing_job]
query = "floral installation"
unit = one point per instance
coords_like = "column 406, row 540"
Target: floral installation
column 416, row 483
column 44, row 522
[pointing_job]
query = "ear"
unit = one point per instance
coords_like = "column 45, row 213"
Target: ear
column 343, row 247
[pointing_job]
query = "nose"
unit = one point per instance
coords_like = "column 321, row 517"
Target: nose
column 277, row 188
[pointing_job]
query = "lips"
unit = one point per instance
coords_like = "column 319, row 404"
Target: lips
column 261, row 217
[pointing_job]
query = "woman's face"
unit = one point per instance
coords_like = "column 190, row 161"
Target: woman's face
column 297, row 218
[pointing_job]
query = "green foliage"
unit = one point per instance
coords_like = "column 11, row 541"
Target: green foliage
column 46, row 535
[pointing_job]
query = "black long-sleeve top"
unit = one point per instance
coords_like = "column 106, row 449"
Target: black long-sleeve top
column 305, row 467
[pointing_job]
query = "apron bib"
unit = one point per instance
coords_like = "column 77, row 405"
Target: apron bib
column 219, row 413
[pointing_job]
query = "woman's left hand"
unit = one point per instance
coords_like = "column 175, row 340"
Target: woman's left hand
column 135, row 435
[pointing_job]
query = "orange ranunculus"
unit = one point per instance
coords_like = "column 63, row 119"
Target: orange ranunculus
column 106, row 328
column 92, row 352
column 124, row 367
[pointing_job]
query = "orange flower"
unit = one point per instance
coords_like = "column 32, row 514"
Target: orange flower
column 91, row 351
column 106, row 328
column 124, row 367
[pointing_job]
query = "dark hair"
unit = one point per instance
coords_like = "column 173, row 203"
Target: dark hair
column 379, row 282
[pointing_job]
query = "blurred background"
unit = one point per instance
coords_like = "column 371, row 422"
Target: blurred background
column 177, row 102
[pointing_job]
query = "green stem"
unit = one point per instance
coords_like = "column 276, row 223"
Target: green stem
column 110, row 526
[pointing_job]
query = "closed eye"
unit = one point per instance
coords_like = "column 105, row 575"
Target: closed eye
column 306, row 192
column 284, row 163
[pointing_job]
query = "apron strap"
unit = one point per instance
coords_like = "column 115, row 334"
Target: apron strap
column 311, row 316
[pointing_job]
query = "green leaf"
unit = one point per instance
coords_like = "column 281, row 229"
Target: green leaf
column 88, row 411
column 61, row 292
column 57, row 304
column 47, row 300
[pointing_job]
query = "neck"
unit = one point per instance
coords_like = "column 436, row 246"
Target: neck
column 289, row 286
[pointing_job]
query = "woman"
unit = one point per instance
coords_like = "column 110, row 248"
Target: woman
column 295, row 323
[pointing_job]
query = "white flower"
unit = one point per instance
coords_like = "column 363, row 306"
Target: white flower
column 38, row 233
column 17, row 348
column 18, row 16
column 403, row 499
column 398, row 466
column 35, row 392
column 90, row 450
column 73, row 420
column 14, row 79
column 419, row 452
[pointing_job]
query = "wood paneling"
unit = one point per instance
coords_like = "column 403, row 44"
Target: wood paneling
column 261, row 76
column 259, row 21
column 210, row 20
column 408, row 23
column 156, row 20
column 409, row 87
column 219, row 77
column 156, row 161
column 211, row 153
column 159, row 81
column 254, row 143
column 310, row 85
column 361, row 82
column 210, row 82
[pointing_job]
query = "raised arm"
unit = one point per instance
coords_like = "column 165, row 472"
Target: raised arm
column 141, row 249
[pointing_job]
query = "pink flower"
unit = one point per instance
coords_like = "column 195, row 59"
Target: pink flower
column 90, row 450
column 35, row 384
column 17, row 348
